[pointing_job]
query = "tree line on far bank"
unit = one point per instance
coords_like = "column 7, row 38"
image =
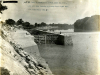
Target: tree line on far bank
column 25, row 25
column 87, row 24
column 81, row 25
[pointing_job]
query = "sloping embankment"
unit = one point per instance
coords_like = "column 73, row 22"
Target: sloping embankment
column 14, row 58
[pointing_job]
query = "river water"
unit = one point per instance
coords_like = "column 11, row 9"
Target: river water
column 80, row 59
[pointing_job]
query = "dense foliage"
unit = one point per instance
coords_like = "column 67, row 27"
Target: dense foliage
column 10, row 22
column 2, row 8
column 39, row 25
column 87, row 24
column 20, row 22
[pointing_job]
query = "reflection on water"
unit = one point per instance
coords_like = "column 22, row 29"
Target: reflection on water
column 79, row 59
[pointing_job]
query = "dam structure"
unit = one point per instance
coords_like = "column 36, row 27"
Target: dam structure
column 43, row 37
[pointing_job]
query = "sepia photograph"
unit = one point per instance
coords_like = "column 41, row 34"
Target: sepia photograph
column 49, row 37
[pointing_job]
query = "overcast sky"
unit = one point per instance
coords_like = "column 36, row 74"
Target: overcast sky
column 76, row 9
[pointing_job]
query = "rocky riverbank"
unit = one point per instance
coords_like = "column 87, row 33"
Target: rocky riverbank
column 15, row 58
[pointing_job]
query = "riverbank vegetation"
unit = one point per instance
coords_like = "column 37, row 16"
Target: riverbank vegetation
column 87, row 24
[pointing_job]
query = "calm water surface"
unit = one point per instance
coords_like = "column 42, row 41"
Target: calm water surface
column 80, row 59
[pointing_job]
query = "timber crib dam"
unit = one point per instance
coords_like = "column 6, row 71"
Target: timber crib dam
column 42, row 37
